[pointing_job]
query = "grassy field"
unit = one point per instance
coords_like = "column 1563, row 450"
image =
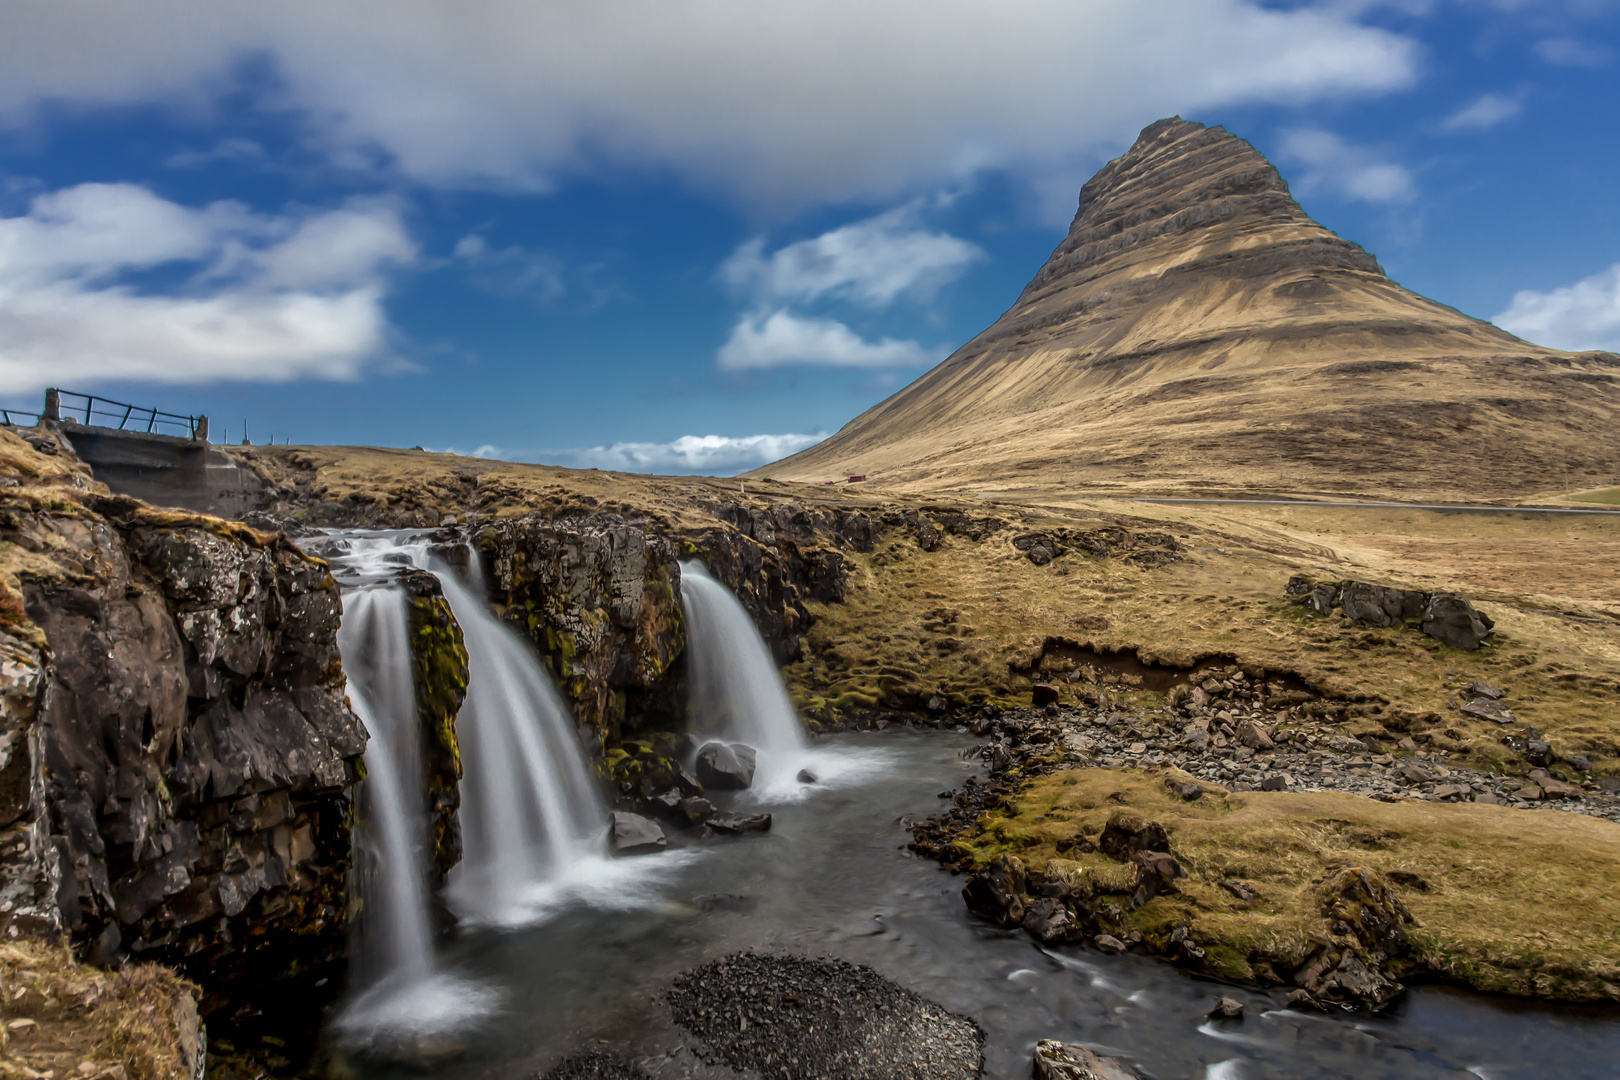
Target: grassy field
column 1507, row 901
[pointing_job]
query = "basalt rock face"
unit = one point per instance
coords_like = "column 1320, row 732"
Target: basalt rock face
column 1196, row 329
column 191, row 743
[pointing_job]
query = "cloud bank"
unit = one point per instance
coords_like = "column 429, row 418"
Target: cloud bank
column 785, row 104
column 248, row 295
column 1585, row 315
column 700, row 455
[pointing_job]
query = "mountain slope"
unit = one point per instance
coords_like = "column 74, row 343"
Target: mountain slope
column 1197, row 331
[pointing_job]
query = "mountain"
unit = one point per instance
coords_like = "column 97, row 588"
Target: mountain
column 1197, row 331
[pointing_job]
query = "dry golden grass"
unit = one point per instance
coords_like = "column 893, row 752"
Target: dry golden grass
column 59, row 1018
column 1511, row 901
column 950, row 622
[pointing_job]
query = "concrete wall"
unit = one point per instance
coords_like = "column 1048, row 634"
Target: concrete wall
column 189, row 474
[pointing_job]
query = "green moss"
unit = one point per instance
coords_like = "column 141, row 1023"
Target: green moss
column 439, row 665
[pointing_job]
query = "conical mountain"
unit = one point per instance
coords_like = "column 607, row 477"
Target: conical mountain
column 1198, row 332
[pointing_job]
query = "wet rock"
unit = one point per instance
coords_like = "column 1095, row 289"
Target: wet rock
column 788, row 1018
column 667, row 804
column 1061, row 1061
column 1048, row 919
column 996, row 893
column 725, row 767
column 1453, row 621
column 695, row 809
column 1127, row 833
column 632, row 834
column 1108, row 943
column 737, row 824
column 1042, row 694
column 806, row 777
column 1489, row 709
column 1226, row 1008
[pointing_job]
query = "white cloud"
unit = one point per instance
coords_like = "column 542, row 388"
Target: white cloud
column 241, row 151
column 781, row 339
column 267, row 297
column 1572, row 52
column 511, row 272
column 706, row 455
column 1350, row 171
column 786, row 103
column 1585, row 315
column 1484, row 112
column 872, row 262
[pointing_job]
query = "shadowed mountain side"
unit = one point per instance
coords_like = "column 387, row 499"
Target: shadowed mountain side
column 1196, row 330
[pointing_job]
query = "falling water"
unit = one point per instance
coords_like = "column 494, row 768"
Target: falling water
column 530, row 811
column 405, row 997
column 737, row 693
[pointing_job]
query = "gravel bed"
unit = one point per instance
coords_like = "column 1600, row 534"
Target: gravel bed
column 600, row 1064
column 792, row 1018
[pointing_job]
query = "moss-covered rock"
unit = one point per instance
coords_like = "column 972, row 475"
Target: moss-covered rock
column 439, row 668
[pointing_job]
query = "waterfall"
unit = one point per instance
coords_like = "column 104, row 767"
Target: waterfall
column 405, row 997
column 530, row 811
column 737, row 695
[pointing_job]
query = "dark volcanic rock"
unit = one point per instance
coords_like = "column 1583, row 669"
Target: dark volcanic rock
column 632, row 834
column 1126, row 833
column 995, row 893
column 1060, row 1061
column 598, row 1064
column 789, row 1018
column 1454, row 621
column 725, row 767
column 737, row 824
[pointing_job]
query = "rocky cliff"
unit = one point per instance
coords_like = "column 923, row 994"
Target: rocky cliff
column 1196, row 330
column 179, row 750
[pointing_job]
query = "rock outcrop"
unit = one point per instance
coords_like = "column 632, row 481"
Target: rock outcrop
column 1445, row 616
column 1197, row 330
column 175, row 707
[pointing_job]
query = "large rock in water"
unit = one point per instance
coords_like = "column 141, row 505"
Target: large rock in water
column 632, row 834
column 1061, row 1061
column 1196, row 327
column 725, row 767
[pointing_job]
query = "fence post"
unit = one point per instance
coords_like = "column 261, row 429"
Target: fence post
column 53, row 405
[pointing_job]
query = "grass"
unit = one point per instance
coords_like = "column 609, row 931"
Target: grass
column 1606, row 496
column 1511, row 901
column 65, row 1018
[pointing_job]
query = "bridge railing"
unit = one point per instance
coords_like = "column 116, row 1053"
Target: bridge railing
column 92, row 410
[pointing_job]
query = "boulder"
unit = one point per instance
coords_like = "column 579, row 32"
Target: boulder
column 1127, row 833
column 1039, row 548
column 996, row 893
column 1482, row 689
column 1226, row 1009
column 1252, row 734
column 725, row 767
column 806, row 777
column 927, row 536
column 1049, row 920
column 1156, row 874
column 1453, row 621
column 1108, row 943
column 695, row 809
column 737, row 824
column 1061, row 1061
column 632, row 834
column 1490, row 709
column 1376, row 605
column 1323, row 598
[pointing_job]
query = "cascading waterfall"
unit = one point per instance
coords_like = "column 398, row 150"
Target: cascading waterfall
column 406, row 997
column 530, row 812
column 738, row 696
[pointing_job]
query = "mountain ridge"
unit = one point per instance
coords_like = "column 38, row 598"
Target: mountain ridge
column 1197, row 330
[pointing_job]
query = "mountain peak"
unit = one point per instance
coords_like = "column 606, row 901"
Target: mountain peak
column 1197, row 328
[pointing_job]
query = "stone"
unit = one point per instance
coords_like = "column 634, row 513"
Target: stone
column 1126, row 833
column 1108, row 943
column 1323, row 598
column 995, row 894
column 1453, row 621
column 632, row 834
column 1156, row 874
column 1240, row 890
column 1557, row 789
column 1376, row 605
column 1413, row 773
column 1539, row 752
column 1043, row 694
column 1039, row 548
column 1250, row 733
column 1581, row 762
column 805, row 776
column 1274, row 782
column 1529, row 793
column 927, row 535
column 737, row 824
column 695, row 809
column 1489, row 709
column 1188, row 790
column 725, row 767
column 1450, row 791
column 1048, row 920
column 1226, row 1008
column 1061, row 1061
column 1196, row 737
column 1480, row 689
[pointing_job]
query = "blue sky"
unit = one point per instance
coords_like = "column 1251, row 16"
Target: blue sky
column 683, row 236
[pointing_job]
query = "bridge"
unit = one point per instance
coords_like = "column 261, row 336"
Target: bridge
column 160, row 457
